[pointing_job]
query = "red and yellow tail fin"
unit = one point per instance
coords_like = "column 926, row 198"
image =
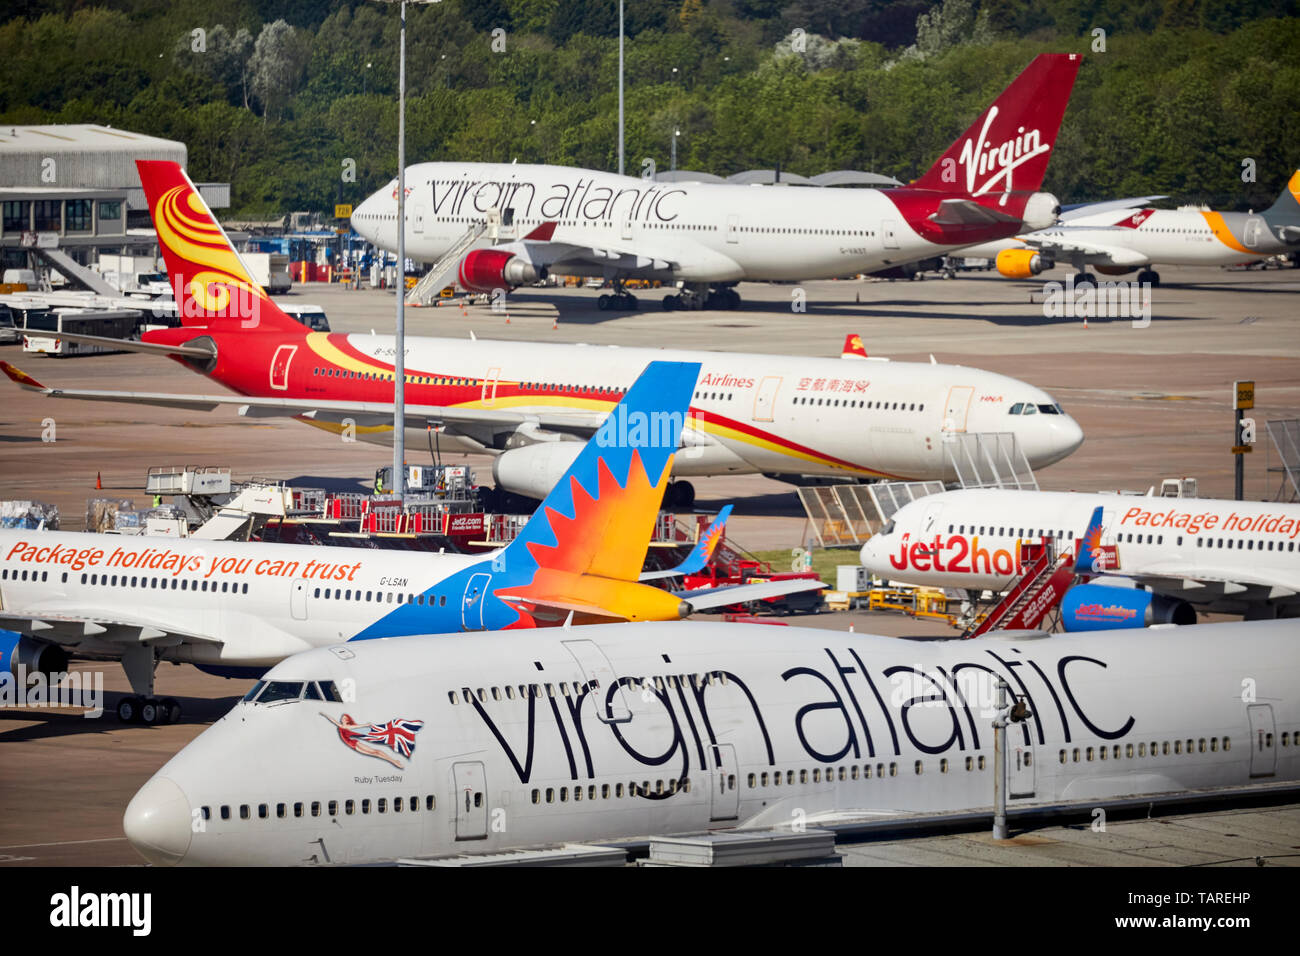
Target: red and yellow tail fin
column 211, row 283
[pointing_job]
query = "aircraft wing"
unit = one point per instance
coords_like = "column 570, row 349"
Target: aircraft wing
column 967, row 212
column 1209, row 585
column 1063, row 247
column 254, row 407
column 71, row 628
column 640, row 258
column 1087, row 210
column 702, row 599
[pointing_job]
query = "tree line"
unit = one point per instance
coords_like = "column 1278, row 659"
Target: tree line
column 281, row 97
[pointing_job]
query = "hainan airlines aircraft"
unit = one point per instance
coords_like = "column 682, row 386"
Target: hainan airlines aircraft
column 520, row 401
column 236, row 608
column 1187, row 236
column 1175, row 555
column 710, row 236
column 437, row 747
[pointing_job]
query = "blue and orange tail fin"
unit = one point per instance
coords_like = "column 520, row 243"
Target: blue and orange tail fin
column 705, row 547
column 211, row 283
column 1090, row 558
column 599, row 518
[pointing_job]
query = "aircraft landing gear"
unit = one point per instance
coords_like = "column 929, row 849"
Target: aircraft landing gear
column 1084, row 279
column 702, row 297
column 148, row 710
column 1151, row 276
column 620, row 301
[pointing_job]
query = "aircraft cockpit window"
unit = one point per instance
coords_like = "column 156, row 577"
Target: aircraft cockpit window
column 278, row 691
column 254, row 691
column 312, row 692
column 1050, row 409
column 888, row 529
column 1017, row 408
column 1030, row 409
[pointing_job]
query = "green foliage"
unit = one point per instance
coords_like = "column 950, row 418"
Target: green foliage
column 1185, row 91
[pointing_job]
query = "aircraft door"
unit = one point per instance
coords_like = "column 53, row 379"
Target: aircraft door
column 1250, row 235
column 298, row 600
column 489, row 394
column 930, row 521
column 471, row 801
column 959, row 399
column 1263, row 752
column 733, row 229
column 471, row 608
column 1020, row 770
column 627, row 228
column 889, row 233
column 765, row 400
column 724, row 783
column 419, row 220
column 280, row 366
column 611, row 705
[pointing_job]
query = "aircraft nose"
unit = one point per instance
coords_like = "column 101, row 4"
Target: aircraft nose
column 363, row 218
column 1061, row 439
column 158, row 821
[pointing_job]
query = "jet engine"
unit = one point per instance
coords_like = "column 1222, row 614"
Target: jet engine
column 1097, row 607
column 1019, row 263
column 1041, row 211
column 31, row 656
column 533, row 470
column 486, row 269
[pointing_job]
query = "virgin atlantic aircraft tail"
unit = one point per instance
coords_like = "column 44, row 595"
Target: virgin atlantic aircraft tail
column 1000, row 161
column 211, row 283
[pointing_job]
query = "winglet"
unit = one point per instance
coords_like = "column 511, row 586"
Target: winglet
column 598, row 519
column 1091, row 556
column 853, row 347
column 22, row 378
column 543, row 232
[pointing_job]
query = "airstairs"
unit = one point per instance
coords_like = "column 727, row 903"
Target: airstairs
column 1034, row 594
column 1285, row 434
column 435, row 280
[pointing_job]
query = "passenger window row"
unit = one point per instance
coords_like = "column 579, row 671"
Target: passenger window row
column 849, row 772
column 380, row 597
column 578, row 688
column 615, row 791
column 1142, row 749
column 1003, row 531
column 856, row 403
column 302, row 808
column 35, row 575
column 181, row 584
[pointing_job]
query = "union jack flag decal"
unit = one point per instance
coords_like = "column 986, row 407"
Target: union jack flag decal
column 398, row 735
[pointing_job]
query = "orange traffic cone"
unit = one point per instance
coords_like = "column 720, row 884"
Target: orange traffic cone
column 99, row 485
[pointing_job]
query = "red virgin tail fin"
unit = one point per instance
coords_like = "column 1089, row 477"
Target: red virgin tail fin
column 211, row 283
column 1007, row 148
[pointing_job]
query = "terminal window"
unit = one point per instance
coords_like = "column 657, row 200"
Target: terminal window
column 17, row 215
column 110, row 211
column 48, row 215
column 79, row 215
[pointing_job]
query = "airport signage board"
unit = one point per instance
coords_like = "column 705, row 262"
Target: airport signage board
column 1245, row 392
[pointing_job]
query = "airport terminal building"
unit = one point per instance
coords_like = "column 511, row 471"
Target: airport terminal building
column 75, row 188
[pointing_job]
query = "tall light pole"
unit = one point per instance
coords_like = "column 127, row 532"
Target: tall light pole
column 399, row 343
column 399, row 339
column 620, row 87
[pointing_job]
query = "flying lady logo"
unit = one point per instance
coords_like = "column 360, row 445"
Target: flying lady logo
column 998, row 162
column 397, row 735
